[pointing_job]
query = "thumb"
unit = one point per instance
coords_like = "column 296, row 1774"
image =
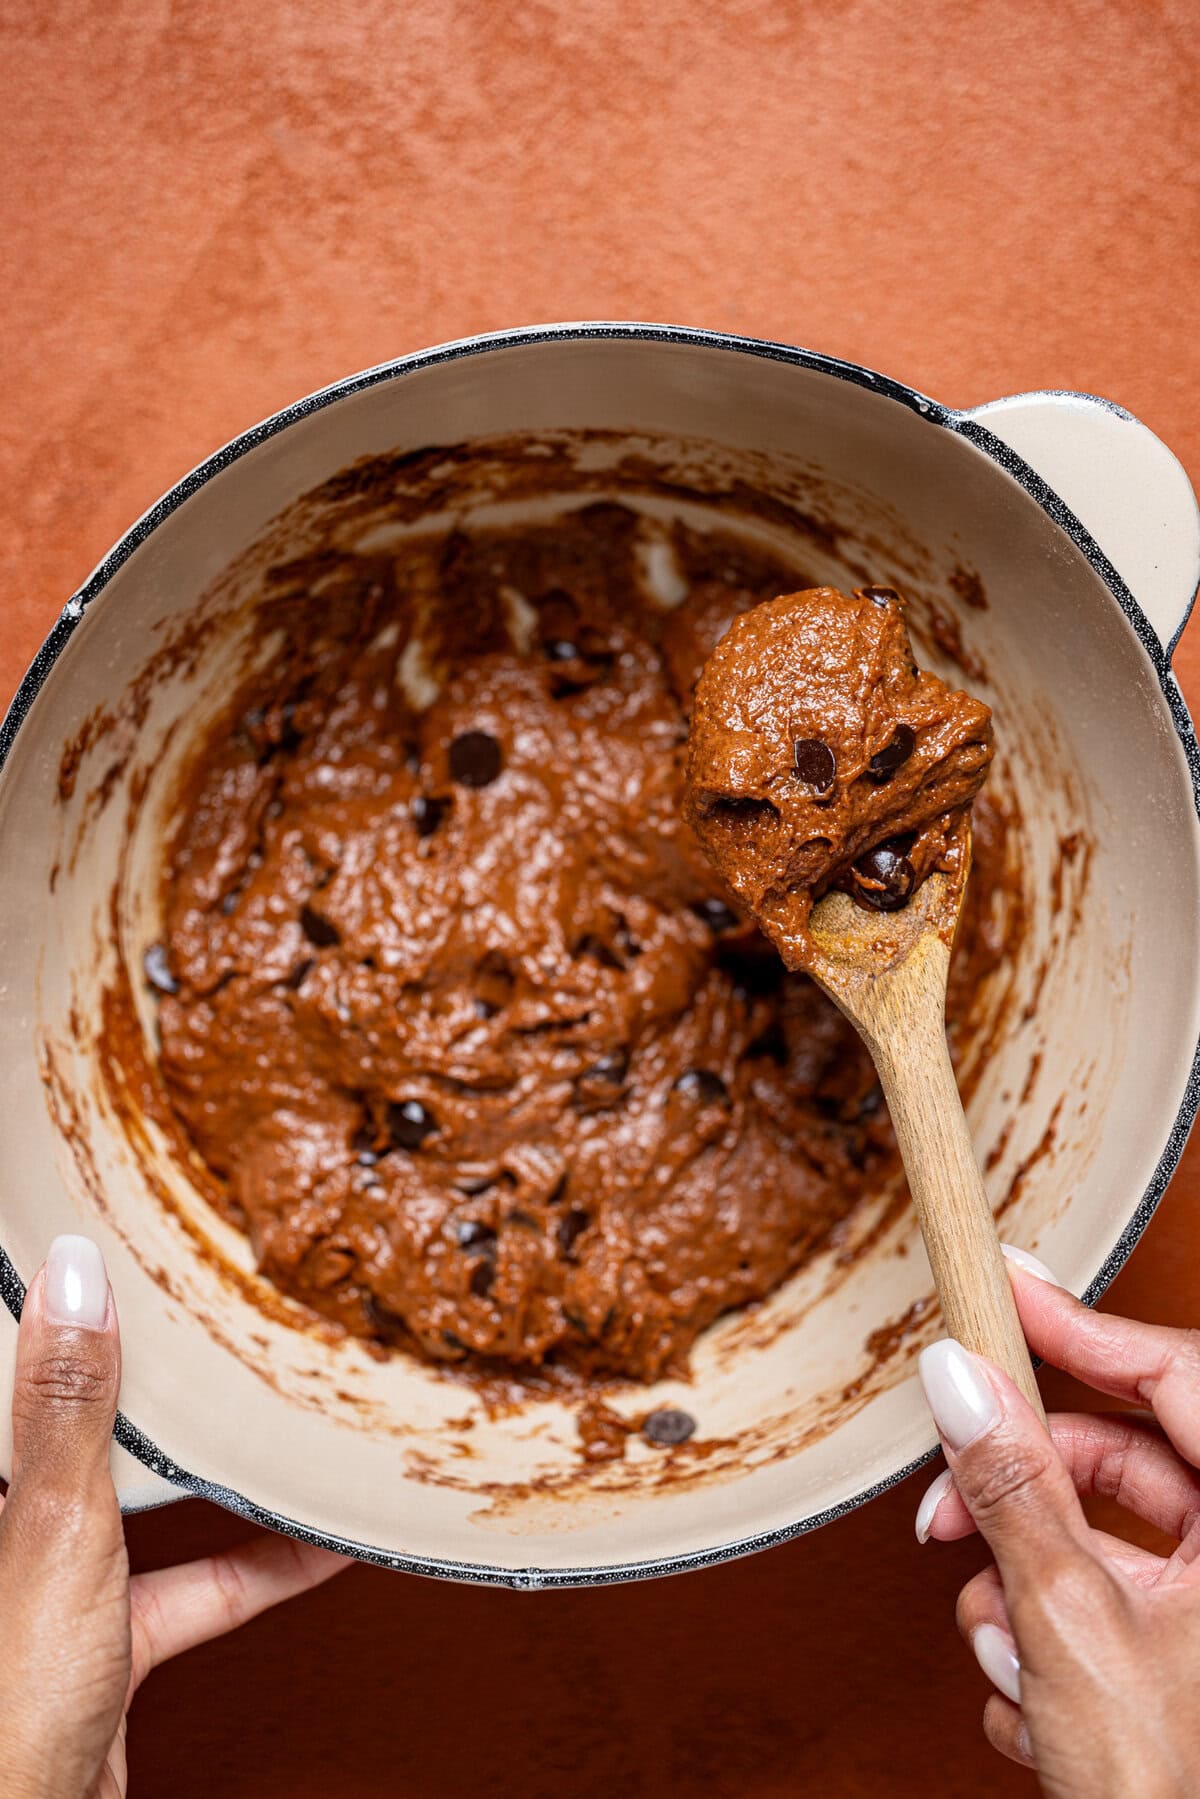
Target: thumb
column 68, row 1374
column 1006, row 1468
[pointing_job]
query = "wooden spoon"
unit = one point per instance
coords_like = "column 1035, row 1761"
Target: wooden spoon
column 887, row 972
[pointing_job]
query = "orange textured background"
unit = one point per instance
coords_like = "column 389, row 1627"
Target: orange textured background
column 209, row 210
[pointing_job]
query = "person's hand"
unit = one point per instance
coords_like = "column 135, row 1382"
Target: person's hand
column 1093, row 1644
column 79, row 1634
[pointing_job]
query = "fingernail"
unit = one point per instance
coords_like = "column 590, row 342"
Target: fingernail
column 76, row 1284
column 1030, row 1264
column 1025, row 1744
column 934, row 1495
column 960, row 1395
column 996, row 1654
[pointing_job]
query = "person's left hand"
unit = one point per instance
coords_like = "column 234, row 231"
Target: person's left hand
column 80, row 1635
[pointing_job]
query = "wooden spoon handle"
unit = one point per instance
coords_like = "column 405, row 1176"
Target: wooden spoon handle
column 956, row 1219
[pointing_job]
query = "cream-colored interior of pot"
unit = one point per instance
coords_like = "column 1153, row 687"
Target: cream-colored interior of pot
column 1073, row 1110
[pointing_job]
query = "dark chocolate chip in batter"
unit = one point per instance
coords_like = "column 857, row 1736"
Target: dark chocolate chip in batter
column 772, row 1043
column 716, row 915
column 570, row 1229
column 473, row 1235
column 814, row 763
column 409, row 1123
column 289, row 737
column 886, row 878
column 702, row 1085
column 158, row 969
column 882, row 596
column 894, row 754
column 295, row 979
column 427, row 813
column 364, row 1145
column 318, row 929
column 753, row 967
column 668, row 1426
column 612, row 1067
column 483, row 1277
column 475, row 759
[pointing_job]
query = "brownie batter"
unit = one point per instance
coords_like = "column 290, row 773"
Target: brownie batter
column 820, row 756
column 450, row 1005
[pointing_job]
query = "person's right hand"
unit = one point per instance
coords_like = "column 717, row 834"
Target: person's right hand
column 1093, row 1644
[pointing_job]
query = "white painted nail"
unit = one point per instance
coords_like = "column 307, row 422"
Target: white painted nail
column 1030, row 1264
column 996, row 1654
column 76, row 1284
column 961, row 1397
column 934, row 1495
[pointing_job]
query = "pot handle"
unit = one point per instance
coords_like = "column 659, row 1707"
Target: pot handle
column 139, row 1489
column 1123, row 485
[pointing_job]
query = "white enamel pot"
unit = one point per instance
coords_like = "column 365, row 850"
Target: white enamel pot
column 1083, row 532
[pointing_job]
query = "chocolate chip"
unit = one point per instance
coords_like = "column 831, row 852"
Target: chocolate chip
column 625, row 941
column 885, row 878
column 427, row 813
column 814, row 763
column 475, row 759
column 612, row 1067
column 771, row 1043
column 570, row 1229
column 882, row 596
column 364, row 1145
column 295, row 979
column 557, row 1190
column 409, row 1123
column 158, row 969
column 668, row 1427
column 453, row 1342
column 317, row 929
column 893, row 755
column 229, row 903
column 472, row 1234
column 483, row 1277
column 702, row 1085
column 523, row 1220
column 716, row 915
column 753, row 967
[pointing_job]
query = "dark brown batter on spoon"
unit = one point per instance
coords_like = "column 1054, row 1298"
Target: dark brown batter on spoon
column 450, row 1005
column 820, row 756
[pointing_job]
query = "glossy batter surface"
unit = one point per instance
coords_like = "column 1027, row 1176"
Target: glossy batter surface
column 450, row 1003
column 820, row 756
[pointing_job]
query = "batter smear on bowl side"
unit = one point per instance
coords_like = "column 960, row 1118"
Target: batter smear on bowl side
column 450, row 1001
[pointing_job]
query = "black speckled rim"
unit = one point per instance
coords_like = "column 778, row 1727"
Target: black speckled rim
column 963, row 424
